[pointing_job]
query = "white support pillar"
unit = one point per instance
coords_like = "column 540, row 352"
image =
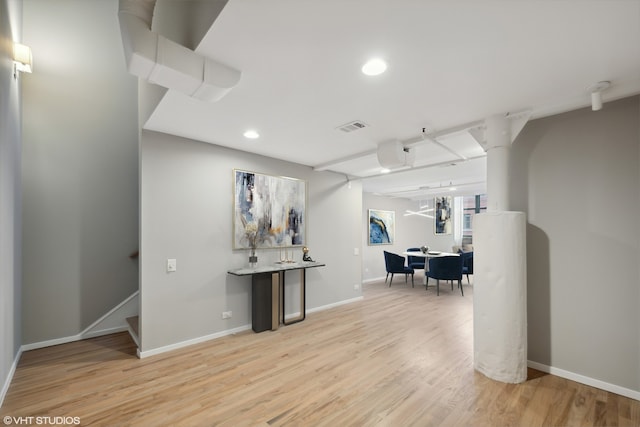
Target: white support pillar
column 500, row 296
column 500, row 266
column 498, row 140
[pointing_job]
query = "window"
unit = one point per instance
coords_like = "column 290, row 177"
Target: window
column 466, row 222
column 472, row 205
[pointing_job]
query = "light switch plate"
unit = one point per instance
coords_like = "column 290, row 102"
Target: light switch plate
column 171, row 265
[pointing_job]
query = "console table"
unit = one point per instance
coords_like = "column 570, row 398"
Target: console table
column 267, row 293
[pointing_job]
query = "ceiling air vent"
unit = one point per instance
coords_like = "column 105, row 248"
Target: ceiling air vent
column 351, row 126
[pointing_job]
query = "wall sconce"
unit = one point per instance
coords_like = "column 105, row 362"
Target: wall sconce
column 22, row 59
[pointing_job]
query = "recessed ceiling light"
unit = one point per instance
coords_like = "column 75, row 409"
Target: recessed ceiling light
column 251, row 134
column 374, row 67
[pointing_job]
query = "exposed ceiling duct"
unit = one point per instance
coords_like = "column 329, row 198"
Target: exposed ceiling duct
column 161, row 61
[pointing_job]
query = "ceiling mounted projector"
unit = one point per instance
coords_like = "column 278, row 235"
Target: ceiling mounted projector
column 393, row 154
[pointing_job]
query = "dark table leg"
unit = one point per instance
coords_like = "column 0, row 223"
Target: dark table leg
column 303, row 308
column 265, row 302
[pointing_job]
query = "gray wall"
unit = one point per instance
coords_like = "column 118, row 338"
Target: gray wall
column 186, row 22
column 576, row 176
column 10, row 191
column 411, row 231
column 186, row 214
column 80, row 211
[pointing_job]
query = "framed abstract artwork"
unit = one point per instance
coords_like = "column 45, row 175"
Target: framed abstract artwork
column 381, row 227
column 443, row 224
column 269, row 211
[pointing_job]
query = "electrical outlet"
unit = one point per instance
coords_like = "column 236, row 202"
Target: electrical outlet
column 171, row 265
column 356, row 287
column 227, row 314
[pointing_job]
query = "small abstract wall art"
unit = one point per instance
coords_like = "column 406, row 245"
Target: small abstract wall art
column 443, row 222
column 269, row 211
column 381, row 227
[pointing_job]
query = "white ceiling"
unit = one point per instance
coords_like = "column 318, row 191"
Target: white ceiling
column 450, row 65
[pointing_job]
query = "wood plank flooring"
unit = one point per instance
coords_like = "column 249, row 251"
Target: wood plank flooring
column 401, row 357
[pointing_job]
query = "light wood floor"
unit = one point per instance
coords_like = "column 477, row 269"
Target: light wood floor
column 401, row 357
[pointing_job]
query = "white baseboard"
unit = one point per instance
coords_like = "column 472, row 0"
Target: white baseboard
column 112, row 322
column 323, row 307
column 182, row 344
column 64, row 340
column 622, row 391
column 335, row 304
column 102, row 332
column 221, row 334
column 7, row 382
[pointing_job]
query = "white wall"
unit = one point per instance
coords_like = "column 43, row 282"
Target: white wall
column 411, row 231
column 80, row 141
column 186, row 214
column 10, row 193
column 576, row 176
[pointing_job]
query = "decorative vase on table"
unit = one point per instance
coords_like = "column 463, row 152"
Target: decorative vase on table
column 253, row 259
column 251, row 231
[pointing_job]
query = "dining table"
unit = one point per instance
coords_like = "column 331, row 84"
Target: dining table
column 427, row 255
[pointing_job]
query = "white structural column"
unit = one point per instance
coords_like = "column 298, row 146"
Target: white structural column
column 498, row 147
column 500, row 296
column 500, row 279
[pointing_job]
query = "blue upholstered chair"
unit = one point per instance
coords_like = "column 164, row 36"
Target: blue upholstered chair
column 467, row 264
column 445, row 268
column 415, row 262
column 395, row 264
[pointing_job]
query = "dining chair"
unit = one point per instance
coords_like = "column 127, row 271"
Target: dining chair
column 445, row 268
column 394, row 264
column 415, row 262
column 467, row 264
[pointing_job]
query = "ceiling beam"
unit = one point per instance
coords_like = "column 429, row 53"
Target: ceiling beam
column 409, row 143
column 432, row 165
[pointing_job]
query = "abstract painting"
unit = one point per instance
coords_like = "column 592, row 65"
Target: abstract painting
column 381, row 227
column 443, row 221
column 269, row 211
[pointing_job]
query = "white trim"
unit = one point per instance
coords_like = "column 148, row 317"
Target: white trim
column 323, row 307
column 115, row 330
column 49, row 343
column 335, row 304
column 622, row 391
column 85, row 332
column 159, row 350
column 292, row 315
column 78, row 337
column 7, row 383
column 134, row 337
